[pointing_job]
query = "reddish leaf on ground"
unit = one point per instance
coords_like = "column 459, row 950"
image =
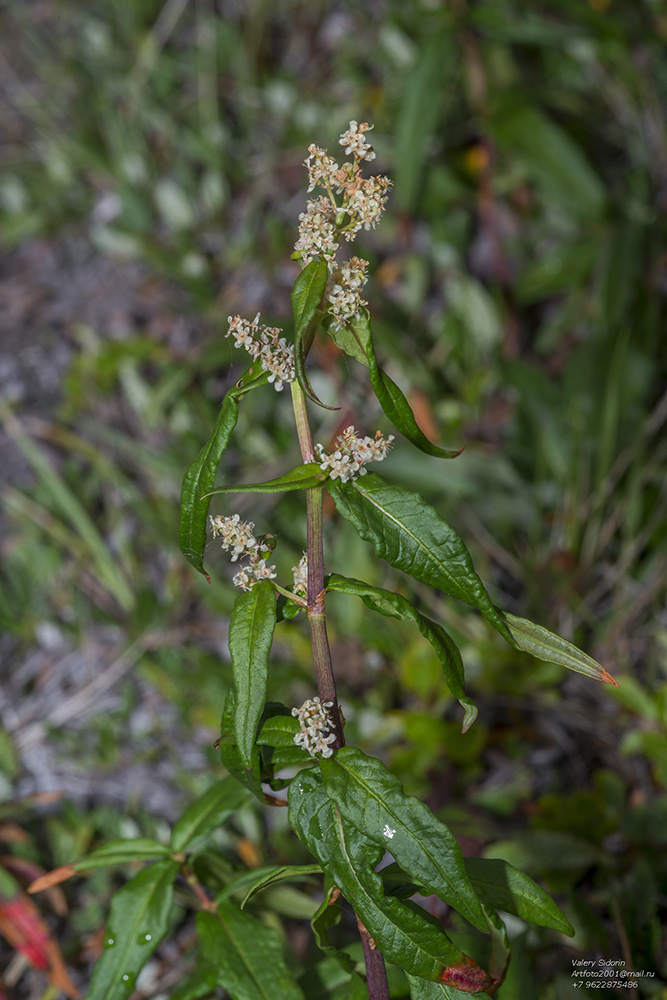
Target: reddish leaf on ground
column 22, row 925
column 52, row 878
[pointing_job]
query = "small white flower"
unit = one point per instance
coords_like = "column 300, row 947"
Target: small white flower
column 351, row 454
column 265, row 343
column 318, row 235
column 388, row 832
column 317, row 728
column 355, row 143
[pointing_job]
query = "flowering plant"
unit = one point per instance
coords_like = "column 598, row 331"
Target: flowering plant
column 344, row 806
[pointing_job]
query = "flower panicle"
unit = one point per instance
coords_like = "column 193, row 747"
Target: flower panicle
column 351, row 454
column 317, row 731
column 237, row 537
column 326, row 220
column 264, row 344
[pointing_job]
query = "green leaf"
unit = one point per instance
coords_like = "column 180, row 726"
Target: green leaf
column 246, row 955
column 372, row 798
column 405, row 934
column 347, row 340
column 422, row 989
column 545, row 645
column 279, row 731
column 208, row 812
column 121, row 852
column 411, row 535
column 230, row 755
column 138, row 921
column 326, row 916
column 200, row 476
column 390, row 397
column 200, row 984
column 500, row 945
column 279, row 874
column 250, row 636
column 500, row 885
column 304, row 477
column 394, row 606
column 307, row 293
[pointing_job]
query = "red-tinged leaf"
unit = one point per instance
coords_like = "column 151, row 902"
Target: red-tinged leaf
column 52, row 878
column 22, row 926
column 58, row 976
column 28, row 871
column 467, row 977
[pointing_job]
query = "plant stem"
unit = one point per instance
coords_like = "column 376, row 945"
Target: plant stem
column 315, row 610
column 376, row 973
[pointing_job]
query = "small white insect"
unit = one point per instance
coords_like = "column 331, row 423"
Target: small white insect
column 388, row 832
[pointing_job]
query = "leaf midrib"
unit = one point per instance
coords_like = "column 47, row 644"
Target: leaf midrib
column 401, row 524
column 369, row 791
column 130, row 939
column 402, row 931
column 226, row 929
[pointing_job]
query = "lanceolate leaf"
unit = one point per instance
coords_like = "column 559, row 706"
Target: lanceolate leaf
column 411, row 535
column 372, row 798
column 304, row 477
column 200, row 476
column 390, row 397
column 307, row 293
column 120, row 852
column 230, row 755
column 208, row 812
column 246, row 955
column 403, row 933
column 279, row 874
column 545, row 645
column 138, row 921
column 306, row 296
column 394, row 606
column 250, row 636
column 500, row 885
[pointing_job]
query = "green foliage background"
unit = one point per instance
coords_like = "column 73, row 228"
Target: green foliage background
column 151, row 181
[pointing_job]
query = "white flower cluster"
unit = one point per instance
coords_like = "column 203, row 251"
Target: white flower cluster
column 300, row 572
column 265, row 344
column 355, row 141
column 318, row 235
column 326, row 219
column 352, row 453
column 317, row 729
column 344, row 296
column 237, row 537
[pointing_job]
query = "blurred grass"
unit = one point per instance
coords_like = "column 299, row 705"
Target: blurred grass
column 518, row 292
